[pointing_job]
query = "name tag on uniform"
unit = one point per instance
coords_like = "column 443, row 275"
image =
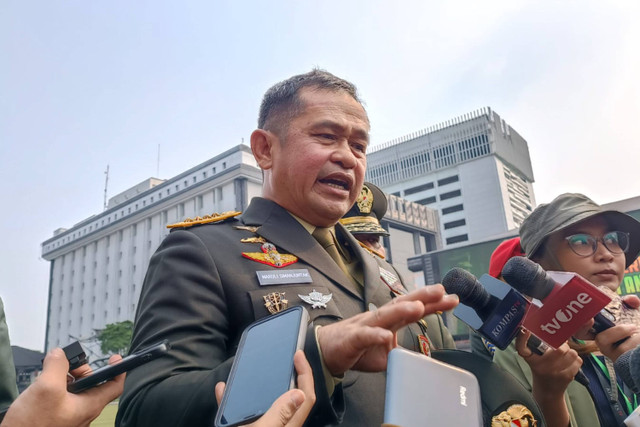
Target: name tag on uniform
column 273, row 277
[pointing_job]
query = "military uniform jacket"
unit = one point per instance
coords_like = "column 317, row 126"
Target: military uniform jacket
column 200, row 293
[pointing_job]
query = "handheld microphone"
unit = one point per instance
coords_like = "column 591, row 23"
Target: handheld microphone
column 627, row 367
column 489, row 307
column 494, row 310
column 565, row 300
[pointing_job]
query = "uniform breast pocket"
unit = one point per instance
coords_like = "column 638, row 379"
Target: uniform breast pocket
column 318, row 301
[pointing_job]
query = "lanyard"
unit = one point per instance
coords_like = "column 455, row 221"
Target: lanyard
column 609, row 373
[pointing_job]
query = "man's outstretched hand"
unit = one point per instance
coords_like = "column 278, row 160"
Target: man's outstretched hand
column 363, row 342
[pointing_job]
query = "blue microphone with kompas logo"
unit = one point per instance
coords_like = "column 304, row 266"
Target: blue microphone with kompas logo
column 490, row 307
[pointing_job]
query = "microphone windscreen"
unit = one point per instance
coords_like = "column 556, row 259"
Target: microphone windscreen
column 528, row 277
column 623, row 369
column 469, row 290
column 634, row 368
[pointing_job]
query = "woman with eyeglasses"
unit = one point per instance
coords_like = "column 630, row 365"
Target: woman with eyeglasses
column 572, row 233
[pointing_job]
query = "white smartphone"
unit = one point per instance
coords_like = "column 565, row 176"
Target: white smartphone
column 263, row 366
column 422, row 391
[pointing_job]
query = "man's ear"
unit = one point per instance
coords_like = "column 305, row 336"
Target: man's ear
column 262, row 145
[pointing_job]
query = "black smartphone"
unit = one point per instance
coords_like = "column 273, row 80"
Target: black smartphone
column 106, row 373
column 263, row 366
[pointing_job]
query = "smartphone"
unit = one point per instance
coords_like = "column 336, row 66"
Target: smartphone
column 263, row 366
column 422, row 391
column 106, row 373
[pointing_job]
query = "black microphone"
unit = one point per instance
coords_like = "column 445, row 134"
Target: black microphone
column 510, row 315
column 627, row 367
column 510, row 310
column 531, row 279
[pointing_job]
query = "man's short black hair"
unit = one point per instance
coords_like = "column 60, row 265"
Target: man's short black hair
column 281, row 102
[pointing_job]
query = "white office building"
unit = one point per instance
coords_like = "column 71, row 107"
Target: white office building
column 98, row 265
column 475, row 170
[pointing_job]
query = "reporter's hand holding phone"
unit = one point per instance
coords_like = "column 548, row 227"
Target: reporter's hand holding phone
column 292, row 408
column 47, row 402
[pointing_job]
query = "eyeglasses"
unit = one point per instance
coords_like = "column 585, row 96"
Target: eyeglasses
column 585, row 245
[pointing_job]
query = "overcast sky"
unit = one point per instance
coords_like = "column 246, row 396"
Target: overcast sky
column 89, row 83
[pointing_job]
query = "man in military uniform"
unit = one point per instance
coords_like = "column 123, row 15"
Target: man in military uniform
column 211, row 278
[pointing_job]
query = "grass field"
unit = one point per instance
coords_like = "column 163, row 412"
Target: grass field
column 108, row 416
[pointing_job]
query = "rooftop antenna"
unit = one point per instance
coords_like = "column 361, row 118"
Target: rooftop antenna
column 106, row 181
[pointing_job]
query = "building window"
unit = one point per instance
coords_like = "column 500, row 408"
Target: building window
column 456, row 239
column 423, row 187
column 426, row 201
column 186, row 183
column 177, row 188
column 151, row 201
column 194, row 179
column 144, row 203
column 451, row 209
column 454, row 224
column 224, row 165
column 448, row 180
column 204, row 174
column 450, row 195
column 214, row 170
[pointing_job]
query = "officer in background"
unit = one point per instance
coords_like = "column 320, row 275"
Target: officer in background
column 363, row 219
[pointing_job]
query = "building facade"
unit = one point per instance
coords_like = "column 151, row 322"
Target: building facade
column 98, row 265
column 475, row 170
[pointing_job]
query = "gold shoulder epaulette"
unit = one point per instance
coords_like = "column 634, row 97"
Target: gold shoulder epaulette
column 207, row 219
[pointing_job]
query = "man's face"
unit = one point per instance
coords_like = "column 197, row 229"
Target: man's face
column 318, row 165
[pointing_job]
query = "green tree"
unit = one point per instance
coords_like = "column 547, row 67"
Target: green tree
column 115, row 337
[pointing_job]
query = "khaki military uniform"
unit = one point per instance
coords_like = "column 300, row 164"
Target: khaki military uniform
column 200, row 292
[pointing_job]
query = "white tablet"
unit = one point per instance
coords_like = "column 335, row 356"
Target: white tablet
column 425, row 392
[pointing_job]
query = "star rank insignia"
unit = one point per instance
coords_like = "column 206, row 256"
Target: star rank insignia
column 316, row 299
column 271, row 256
column 392, row 281
column 275, row 302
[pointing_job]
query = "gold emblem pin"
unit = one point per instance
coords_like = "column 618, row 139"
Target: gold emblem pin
column 275, row 302
column 271, row 256
column 516, row 414
column 256, row 239
column 365, row 200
